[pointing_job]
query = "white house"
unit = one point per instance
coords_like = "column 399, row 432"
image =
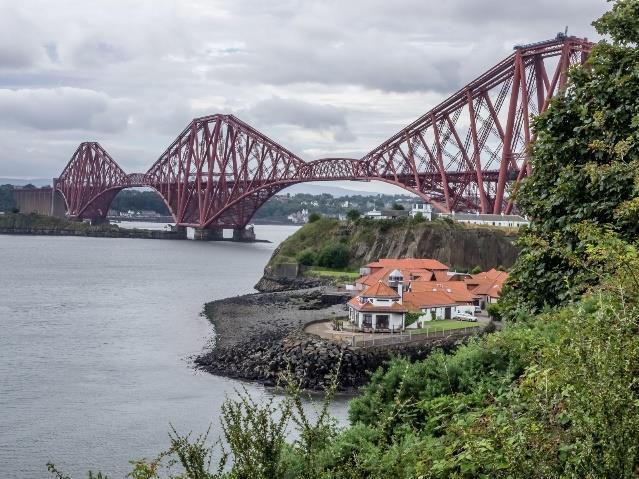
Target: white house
column 424, row 208
column 382, row 306
column 379, row 308
column 503, row 220
column 386, row 214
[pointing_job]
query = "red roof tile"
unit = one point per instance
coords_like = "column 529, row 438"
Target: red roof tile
column 408, row 263
column 380, row 290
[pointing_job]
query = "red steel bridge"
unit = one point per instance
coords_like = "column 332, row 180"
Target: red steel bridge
column 463, row 155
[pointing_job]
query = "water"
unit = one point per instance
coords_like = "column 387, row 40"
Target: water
column 95, row 346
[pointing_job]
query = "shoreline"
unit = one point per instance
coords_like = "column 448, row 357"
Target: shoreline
column 259, row 337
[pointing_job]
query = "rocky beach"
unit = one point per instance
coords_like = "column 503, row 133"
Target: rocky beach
column 259, row 337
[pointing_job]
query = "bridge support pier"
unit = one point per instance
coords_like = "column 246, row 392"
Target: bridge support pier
column 205, row 234
column 244, row 234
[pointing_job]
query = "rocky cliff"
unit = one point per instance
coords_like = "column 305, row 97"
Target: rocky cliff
column 459, row 246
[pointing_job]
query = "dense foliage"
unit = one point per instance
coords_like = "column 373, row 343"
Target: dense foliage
column 134, row 200
column 278, row 208
column 554, row 398
column 585, row 164
column 7, row 203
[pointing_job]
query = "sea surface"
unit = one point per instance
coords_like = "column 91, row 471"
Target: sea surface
column 96, row 341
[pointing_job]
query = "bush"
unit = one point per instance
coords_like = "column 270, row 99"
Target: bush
column 476, row 270
column 353, row 215
column 411, row 317
column 494, row 311
column 314, row 216
column 307, row 257
column 334, row 256
column 418, row 218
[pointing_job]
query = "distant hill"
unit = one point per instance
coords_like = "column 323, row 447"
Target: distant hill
column 21, row 182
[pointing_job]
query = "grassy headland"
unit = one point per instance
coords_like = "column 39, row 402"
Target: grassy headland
column 333, row 248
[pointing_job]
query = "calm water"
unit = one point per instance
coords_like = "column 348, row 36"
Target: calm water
column 95, row 346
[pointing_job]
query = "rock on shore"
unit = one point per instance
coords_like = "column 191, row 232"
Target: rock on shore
column 259, row 337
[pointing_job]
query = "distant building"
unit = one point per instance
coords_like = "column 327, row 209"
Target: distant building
column 299, row 216
column 386, row 214
column 424, row 208
column 503, row 220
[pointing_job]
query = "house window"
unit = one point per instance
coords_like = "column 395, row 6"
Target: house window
column 381, row 321
column 368, row 321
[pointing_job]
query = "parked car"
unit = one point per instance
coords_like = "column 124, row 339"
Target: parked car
column 465, row 317
column 477, row 308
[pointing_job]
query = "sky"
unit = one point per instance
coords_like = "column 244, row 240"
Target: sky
column 323, row 78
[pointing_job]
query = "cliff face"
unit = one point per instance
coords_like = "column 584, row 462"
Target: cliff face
column 458, row 246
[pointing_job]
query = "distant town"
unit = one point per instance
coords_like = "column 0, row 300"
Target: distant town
column 280, row 209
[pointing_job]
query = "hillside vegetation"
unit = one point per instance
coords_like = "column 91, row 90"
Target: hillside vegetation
column 459, row 246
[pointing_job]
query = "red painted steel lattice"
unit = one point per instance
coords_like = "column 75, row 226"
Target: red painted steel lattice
column 462, row 155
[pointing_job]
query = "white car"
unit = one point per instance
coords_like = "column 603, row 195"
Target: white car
column 465, row 317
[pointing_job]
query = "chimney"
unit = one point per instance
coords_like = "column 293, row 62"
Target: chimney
column 400, row 291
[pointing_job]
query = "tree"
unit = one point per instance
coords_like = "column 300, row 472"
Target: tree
column 307, row 257
column 7, row 202
column 476, row 270
column 419, row 217
column 313, row 217
column 411, row 317
column 397, row 206
column 353, row 215
column 334, row 256
column 585, row 169
column 494, row 311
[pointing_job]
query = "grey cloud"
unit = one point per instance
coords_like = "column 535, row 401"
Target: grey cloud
column 341, row 76
column 62, row 109
column 311, row 116
column 19, row 47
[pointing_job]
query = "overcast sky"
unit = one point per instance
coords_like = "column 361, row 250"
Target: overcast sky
column 323, row 78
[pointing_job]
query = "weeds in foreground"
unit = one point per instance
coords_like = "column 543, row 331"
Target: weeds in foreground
column 255, row 435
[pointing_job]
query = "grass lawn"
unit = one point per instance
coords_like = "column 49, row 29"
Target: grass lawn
column 332, row 273
column 442, row 324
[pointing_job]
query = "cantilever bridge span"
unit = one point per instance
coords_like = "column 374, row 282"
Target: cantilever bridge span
column 462, row 155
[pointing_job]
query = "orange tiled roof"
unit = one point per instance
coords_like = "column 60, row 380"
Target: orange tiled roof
column 366, row 306
column 488, row 283
column 427, row 299
column 408, row 263
column 441, row 276
column 380, row 290
column 457, row 290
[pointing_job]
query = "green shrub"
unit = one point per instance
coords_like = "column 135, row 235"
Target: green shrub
column 353, row 215
column 494, row 311
column 476, row 270
column 335, row 255
column 419, row 218
column 314, row 216
column 307, row 257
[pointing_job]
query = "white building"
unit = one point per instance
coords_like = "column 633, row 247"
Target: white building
column 424, row 208
column 386, row 214
column 506, row 221
column 382, row 307
column 379, row 308
column 299, row 216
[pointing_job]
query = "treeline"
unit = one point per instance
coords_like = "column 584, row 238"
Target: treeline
column 135, row 200
column 280, row 206
column 7, row 202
